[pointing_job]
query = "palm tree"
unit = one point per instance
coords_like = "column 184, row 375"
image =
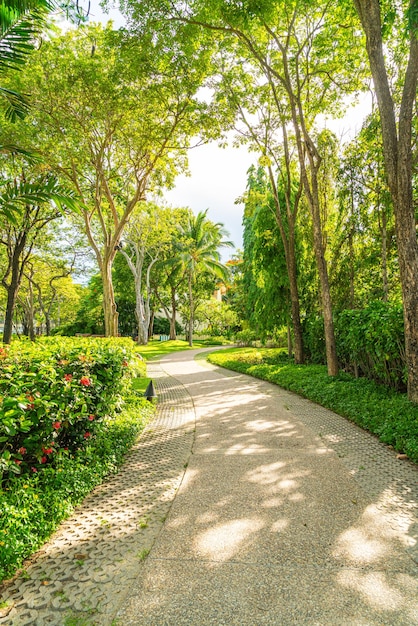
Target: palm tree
column 21, row 21
column 199, row 253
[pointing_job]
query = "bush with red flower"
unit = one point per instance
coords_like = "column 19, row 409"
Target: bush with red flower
column 55, row 395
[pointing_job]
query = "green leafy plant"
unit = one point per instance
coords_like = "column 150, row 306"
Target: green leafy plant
column 56, row 395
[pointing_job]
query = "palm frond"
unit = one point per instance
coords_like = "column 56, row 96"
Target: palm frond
column 18, row 194
column 17, row 104
column 11, row 148
column 17, row 41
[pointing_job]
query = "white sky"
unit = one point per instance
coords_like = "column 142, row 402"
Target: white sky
column 218, row 176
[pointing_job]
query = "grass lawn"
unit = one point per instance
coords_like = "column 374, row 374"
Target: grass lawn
column 155, row 348
column 376, row 408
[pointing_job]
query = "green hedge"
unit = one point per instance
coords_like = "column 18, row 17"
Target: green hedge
column 369, row 342
column 55, row 395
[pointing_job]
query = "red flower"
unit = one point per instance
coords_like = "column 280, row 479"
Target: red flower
column 56, row 425
column 87, row 435
column 68, row 377
column 44, row 459
column 22, row 450
column 30, row 405
column 18, row 461
column 47, row 450
column 91, row 418
column 34, row 470
column 85, row 381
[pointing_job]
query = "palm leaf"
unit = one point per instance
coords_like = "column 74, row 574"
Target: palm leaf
column 15, row 196
column 17, row 105
column 17, row 41
column 11, row 148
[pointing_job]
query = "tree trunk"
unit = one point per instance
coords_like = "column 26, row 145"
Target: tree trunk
column 173, row 332
column 330, row 346
column 294, row 299
column 384, row 233
column 397, row 151
column 308, row 155
column 30, row 314
column 289, row 340
column 191, row 304
column 151, row 326
column 289, row 245
column 12, row 291
column 109, row 304
column 142, row 319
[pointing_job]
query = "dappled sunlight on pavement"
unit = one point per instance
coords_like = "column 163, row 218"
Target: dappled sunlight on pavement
column 270, row 527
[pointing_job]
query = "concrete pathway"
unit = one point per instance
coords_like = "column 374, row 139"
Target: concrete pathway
column 273, row 526
column 286, row 514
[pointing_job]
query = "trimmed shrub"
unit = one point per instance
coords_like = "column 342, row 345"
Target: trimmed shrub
column 55, row 394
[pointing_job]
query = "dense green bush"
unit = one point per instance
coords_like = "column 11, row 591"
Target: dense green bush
column 380, row 409
column 55, row 395
column 370, row 342
column 246, row 337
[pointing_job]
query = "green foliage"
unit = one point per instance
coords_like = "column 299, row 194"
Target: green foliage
column 32, row 506
column 264, row 271
column 56, row 396
column 370, row 342
column 373, row 339
column 377, row 408
column 245, row 337
column 162, row 326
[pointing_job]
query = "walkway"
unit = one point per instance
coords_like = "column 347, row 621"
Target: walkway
column 286, row 515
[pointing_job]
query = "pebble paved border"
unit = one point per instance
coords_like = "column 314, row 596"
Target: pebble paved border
column 84, row 573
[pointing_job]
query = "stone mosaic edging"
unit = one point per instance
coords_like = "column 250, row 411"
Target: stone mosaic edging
column 84, row 573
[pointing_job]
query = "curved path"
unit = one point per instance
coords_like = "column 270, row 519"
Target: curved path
column 286, row 514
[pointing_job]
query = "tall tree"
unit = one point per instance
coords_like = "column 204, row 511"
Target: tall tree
column 288, row 41
column 198, row 253
column 398, row 20
column 148, row 234
column 114, row 117
column 20, row 236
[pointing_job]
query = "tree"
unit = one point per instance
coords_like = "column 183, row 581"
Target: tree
column 168, row 280
column 20, row 237
column 288, row 42
column 148, row 233
column 396, row 116
column 198, row 253
column 218, row 317
column 265, row 278
column 114, row 118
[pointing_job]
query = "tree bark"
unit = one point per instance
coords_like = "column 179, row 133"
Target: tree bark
column 16, row 273
column 173, row 332
column 397, row 151
column 109, row 303
column 191, row 304
column 309, row 161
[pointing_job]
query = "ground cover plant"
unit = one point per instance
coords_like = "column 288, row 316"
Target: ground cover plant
column 69, row 413
column 377, row 408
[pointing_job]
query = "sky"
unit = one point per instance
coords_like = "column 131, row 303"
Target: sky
column 218, row 176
